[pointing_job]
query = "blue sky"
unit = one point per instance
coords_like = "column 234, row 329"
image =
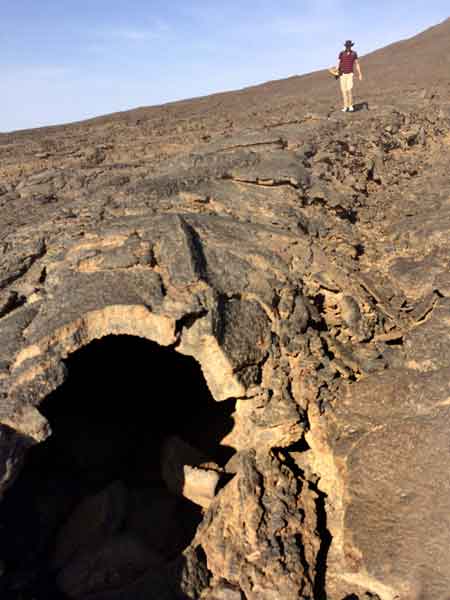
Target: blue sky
column 64, row 60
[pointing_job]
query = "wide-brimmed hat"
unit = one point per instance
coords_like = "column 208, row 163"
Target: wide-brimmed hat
column 349, row 44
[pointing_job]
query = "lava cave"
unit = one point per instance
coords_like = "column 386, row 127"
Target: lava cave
column 94, row 507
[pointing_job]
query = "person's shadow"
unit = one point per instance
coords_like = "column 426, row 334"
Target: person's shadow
column 361, row 106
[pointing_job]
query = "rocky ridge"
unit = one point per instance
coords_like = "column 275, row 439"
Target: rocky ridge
column 302, row 258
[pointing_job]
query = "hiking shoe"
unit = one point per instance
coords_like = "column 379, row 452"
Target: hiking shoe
column 351, row 109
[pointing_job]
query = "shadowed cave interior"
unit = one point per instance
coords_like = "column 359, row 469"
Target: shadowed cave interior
column 100, row 503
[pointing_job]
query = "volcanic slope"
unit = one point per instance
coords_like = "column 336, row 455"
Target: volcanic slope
column 301, row 256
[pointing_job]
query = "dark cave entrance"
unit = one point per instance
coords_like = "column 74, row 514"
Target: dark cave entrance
column 107, row 486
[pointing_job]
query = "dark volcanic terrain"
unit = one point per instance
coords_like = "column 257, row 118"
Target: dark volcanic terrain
column 301, row 256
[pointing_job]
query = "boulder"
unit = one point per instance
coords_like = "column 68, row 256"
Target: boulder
column 114, row 565
column 187, row 473
column 92, row 522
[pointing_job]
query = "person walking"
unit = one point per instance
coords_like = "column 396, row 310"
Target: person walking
column 348, row 60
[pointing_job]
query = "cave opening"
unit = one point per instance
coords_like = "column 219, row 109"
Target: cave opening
column 119, row 488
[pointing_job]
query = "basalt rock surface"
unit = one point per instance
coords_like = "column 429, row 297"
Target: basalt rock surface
column 302, row 257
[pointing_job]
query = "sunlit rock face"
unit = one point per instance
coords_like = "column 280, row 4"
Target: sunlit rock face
column 224, row 345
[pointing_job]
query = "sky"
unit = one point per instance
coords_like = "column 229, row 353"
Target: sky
column 66, row 60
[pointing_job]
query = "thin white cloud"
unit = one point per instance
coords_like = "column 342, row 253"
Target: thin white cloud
column 159, row 30
column 38, row 72
column 132, row 35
